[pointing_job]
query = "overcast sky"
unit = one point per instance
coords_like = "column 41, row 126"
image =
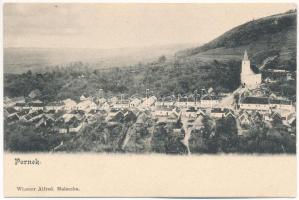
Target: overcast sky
column 124, row 25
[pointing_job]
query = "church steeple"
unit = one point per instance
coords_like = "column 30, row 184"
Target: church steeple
column 245, row 55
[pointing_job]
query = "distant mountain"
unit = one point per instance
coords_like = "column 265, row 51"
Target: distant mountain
column 19, row 60
column 268, row 37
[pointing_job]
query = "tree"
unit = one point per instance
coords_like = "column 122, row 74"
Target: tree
column 162, row 59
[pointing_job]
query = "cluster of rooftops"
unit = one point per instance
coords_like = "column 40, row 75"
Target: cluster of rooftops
column 70, row 116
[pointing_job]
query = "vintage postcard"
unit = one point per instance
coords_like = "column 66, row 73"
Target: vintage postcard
column 149, row 99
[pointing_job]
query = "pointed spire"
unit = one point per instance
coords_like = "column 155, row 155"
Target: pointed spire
column 245, row 55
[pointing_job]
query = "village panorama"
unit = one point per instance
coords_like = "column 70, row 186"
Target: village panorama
column 224, row 104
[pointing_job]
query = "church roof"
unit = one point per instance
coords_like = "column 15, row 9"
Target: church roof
column 245, row 55
column 255, row 69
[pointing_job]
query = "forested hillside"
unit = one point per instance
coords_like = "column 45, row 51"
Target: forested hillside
column 262, row 38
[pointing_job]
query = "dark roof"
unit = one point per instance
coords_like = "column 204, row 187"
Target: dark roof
column 256, row 100
column 50, row 111
column 114, row 110
column 130, row 116
column 34, row 114
column 280, row 101
column 36, row 103
column 163, row 108
column 169, row 98
column 23, row 112
column 255, row 69
column 21, row 104
column 13, row 118
column 15, row 99
column 208, row 97
column 55, row 104
column 119, row 116
column 183, row 99
column 11, row 110
column 123, row 102
column 80, row 112
column 191, row 109
column 217, row 110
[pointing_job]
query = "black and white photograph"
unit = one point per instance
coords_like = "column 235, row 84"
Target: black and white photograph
column 141, row 99
column 150, row 79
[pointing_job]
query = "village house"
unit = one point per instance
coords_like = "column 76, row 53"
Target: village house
column 34, row 116
column 105, row 106
column 229, row 114
column 13, row 118
column 208, row 101
column 114, row 115
column 113, row 100
column 193, row 102
column 60, row 126
column 285, row 116
column 141, row 120
column 21, row 106
column 22, row 114
column 34, row 94
column 135, row 102
column 165, row 101
column 257, row 116
column 280, row 104
column 290, row 120
column 222, row 113
column 201, row 112
column 162, row 111
column 148, row 102
column 83, row 98
column 10, row 102
column 255, row 103
column 55, row 106
column 186, row 102
column 70, row 122
column 36, row 105
column 122, row 104
column 18, row 103
column 269, row 80
column 101, row 101
column 217, row 112
column 190, row 113
column 9, row 111
column 170, row 120
column 245, row 119
column 75, row 125
column 91, row 118
column 182, row 102
column 7, row 102
column 129, row 117
column 46, row 121
column 69, row 104
column 74, row 114
column 198, row 124
column 86, row 105
column 275, row 116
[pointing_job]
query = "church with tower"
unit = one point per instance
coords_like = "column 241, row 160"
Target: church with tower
column 248, row 77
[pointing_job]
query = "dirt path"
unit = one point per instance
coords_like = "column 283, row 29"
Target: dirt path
column 187, row 130
column 129, row 133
